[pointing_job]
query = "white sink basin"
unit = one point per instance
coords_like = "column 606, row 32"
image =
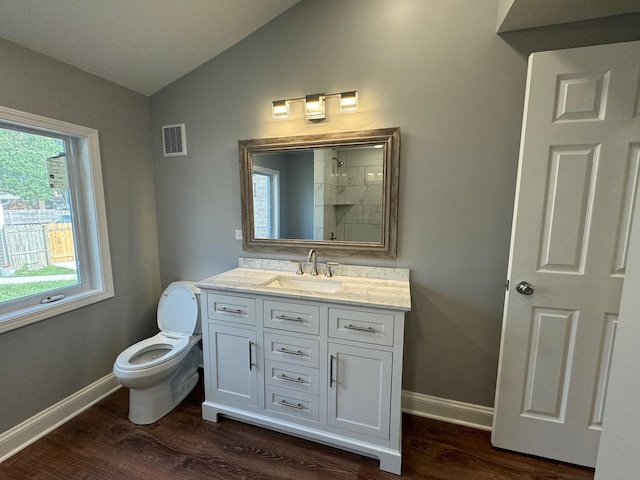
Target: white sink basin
column 319, row 285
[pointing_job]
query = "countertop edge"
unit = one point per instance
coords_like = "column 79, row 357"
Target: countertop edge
column 220, row 283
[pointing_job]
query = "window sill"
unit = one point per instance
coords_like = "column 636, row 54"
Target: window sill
column 27, row 316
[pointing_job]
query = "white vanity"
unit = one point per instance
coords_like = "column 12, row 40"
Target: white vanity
column 315, row 357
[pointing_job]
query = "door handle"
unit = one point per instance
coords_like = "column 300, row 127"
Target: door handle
column 524, row 288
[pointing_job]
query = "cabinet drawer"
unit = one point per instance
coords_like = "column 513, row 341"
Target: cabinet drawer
column 288, row 402
column 230, row 308
column 293, row 317
column 288, row 375
column 282, row 348
column 361, row 326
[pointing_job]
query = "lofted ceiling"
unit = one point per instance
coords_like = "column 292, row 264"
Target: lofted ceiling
column 143, row 45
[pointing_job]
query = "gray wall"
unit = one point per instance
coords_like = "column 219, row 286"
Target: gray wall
column 436, row 69
column 43, row 363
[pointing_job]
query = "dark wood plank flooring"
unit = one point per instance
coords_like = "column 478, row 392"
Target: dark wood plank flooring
column 101, row 444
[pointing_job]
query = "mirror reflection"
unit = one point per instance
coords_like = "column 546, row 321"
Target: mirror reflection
column 332, row 194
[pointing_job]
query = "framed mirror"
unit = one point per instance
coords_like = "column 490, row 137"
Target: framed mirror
column 335, row 192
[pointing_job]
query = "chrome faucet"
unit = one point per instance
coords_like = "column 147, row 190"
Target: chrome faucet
column 313, row 259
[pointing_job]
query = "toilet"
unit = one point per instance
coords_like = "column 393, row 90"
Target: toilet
column 161, row 371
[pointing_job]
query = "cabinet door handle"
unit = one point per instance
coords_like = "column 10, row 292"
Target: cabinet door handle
column 360, row 329
column 250, row 355
column 282, row 376
column 289, row 319
column 331, row 380
column 290, row 352
column 284, row 403
column 237, row 311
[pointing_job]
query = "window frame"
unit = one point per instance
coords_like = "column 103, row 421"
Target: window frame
column 92, row 232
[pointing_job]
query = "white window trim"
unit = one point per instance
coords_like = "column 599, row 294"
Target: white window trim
column 101, row 281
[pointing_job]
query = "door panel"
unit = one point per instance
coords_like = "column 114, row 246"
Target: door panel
column 581, row 96
column 577, row 181
column 568, row 204
column 550, row 356
column 604, row 366
column 626, row 213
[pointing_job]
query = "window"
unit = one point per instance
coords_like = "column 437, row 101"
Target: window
column 265, row 202
column 54, row 251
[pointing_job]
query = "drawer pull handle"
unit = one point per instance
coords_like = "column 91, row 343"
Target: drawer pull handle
column 289, row 319
column 284, row 403
column 228, row 310
column 360, row 329
column 290, row 352
column 282, row 376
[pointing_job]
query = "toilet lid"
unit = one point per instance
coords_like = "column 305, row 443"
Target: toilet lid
column 178, row 309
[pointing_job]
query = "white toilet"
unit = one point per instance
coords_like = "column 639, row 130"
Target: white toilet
column 161, row 370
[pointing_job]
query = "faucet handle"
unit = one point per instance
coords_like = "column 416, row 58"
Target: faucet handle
column 299, row 269
column 327, row 272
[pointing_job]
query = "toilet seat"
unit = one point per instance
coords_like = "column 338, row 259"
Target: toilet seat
column 178, row 310
column 162, row 341
column 177, row 319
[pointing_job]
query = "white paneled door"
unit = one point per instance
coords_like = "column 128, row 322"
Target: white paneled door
column 577, row 181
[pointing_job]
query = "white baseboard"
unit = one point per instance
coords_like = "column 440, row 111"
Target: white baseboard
column 34, row 428
column 451, row 411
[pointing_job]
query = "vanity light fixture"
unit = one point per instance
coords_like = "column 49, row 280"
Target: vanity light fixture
column 280, row 109
column 349, row 101
column 314, row 105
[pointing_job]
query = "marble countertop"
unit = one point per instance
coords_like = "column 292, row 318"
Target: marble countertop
column 388, row 293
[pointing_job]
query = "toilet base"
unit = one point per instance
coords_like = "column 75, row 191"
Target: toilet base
column 151, row 404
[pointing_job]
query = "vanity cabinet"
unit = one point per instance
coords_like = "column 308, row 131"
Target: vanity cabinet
column 320, row 370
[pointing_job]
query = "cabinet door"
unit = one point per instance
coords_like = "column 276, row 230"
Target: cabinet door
column 359, row 389
column 234, row 365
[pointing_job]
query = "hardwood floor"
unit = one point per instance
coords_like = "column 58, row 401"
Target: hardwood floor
column 101, row 444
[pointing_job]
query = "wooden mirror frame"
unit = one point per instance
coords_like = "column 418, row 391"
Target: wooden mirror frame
column 389, row 138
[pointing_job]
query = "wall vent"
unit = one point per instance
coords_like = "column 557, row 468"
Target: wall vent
column 174, row 140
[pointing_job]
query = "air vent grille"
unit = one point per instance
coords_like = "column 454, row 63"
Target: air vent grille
column 174, row 140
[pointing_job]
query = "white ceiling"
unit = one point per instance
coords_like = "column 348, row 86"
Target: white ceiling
column 140, row 44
